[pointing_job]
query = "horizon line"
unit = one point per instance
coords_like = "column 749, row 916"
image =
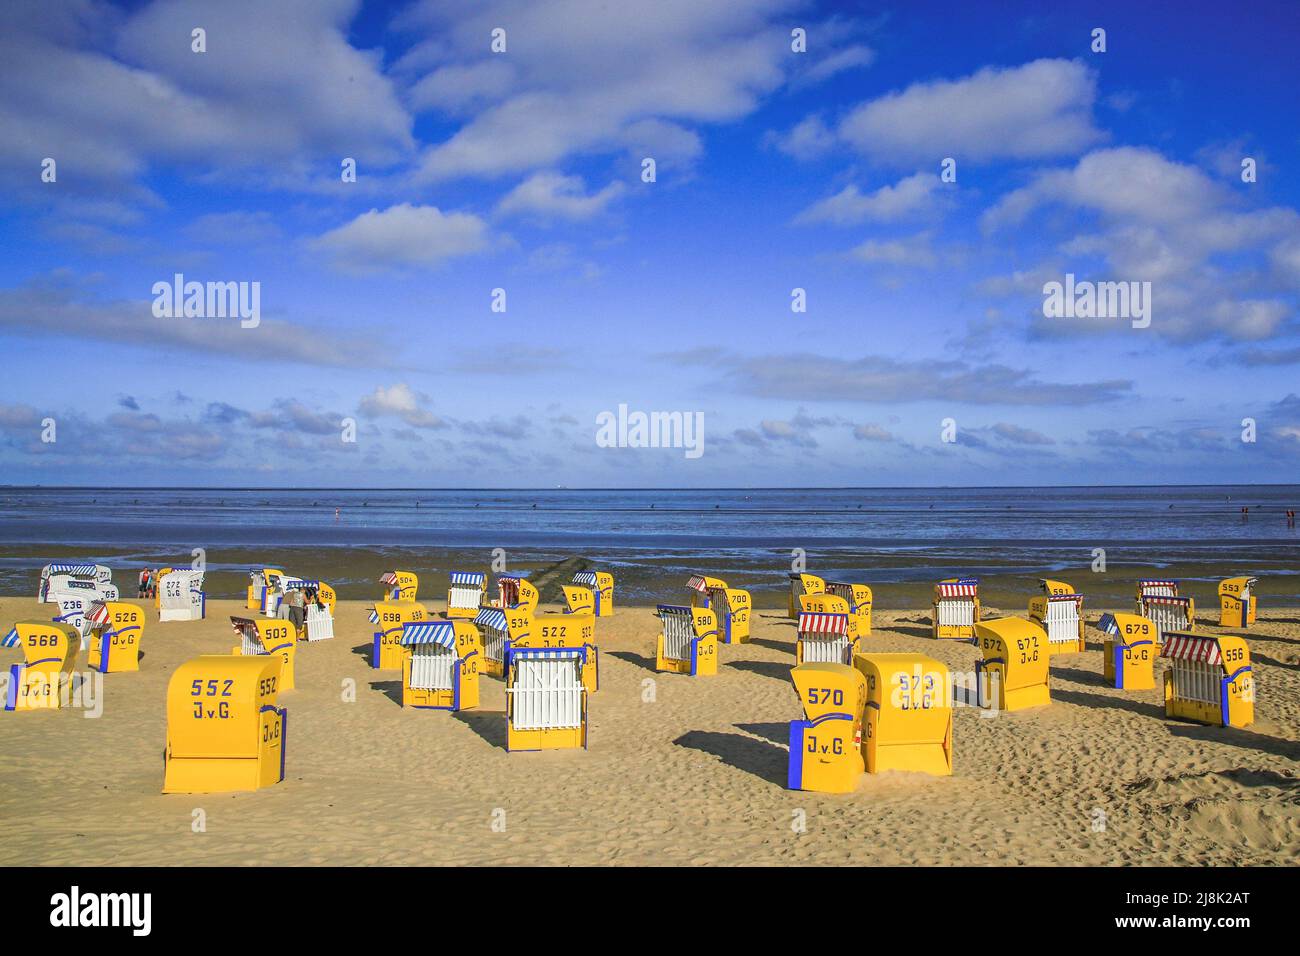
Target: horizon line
column 538, row 488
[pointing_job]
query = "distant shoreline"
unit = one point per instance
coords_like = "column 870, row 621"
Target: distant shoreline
column 649, row 576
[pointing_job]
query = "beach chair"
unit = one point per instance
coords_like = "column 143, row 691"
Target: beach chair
column 158, row 578
column 688, row 640
column 72, row 610
column 908, row 714
column 318, row 623
column 1237, row 602
column 465, row 594
column 258, row 637
column 260, row 580
column 733, row 608
column 440, row 663
column 826, row 745
column 74, row 599
column 825, row 602
column 858, row 598
column 399, row 585
column 602, row 590
column 317, row 612
column 514, row 591
column 1155, row 587
column 546, row 702
column 701, row 587
column 559, row 630
column 823, row 636
column 1013, row 673
column 325, row 594
column 1059, row 612
column 1129, row 651
column 1168, row 613
column 1209, row 680
column 956, row 608
column 49, row 655
column 801, row 584
column 60, row 586
column 578, row 599
column 96, row 574
column 391, row 617
column 224, row 730
column 116, row 630
column 181, row 596
column 494, row 631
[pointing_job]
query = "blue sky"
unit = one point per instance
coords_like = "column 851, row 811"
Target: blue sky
column 522, row 170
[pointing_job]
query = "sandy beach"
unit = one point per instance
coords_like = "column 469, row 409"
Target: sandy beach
column 679, row 771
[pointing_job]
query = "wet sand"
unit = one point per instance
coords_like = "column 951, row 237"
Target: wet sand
column 693, row 775
column 647, row 577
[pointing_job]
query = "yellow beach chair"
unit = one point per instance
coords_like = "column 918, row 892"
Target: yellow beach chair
column 1013, row 674
column 908, row 714
column 956, row 608
column 1129, row 651
column 1209, row 680
column 1237, row 603
column 801, row 584
column 273, row 637
column 688, row 640
column 399, row 585
column 546, row 702
column 49, row 655
column 116, row 630
column 390, row 617
column 826, row 745
column 224, row 730
column 1059, row 612
column 440, row 665
column 601, row 584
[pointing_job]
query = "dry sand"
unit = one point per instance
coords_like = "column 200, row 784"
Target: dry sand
column 695, row 777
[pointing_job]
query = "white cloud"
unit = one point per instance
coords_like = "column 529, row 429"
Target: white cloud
column 62, row 305
column 400, row 401
column 913, row 251
column 876, row 378
column 403, row 236
column 460, row 88
column 109, row 95
column 552, row 195
column 1043, row 108
column 679, row 62
column 889, row 203
column 852, row 57
column 1215, row 268
column 810, row 138
column 1124, row 183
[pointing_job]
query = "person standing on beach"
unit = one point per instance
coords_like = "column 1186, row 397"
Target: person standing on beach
column 295, row 605
column 144, row 583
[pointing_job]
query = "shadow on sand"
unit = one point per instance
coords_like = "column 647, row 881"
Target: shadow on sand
column 758, row 757
column 392, row 689
column 488, row 724
column 647, row 663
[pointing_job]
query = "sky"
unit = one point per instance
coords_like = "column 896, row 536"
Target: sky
column 502, row 270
